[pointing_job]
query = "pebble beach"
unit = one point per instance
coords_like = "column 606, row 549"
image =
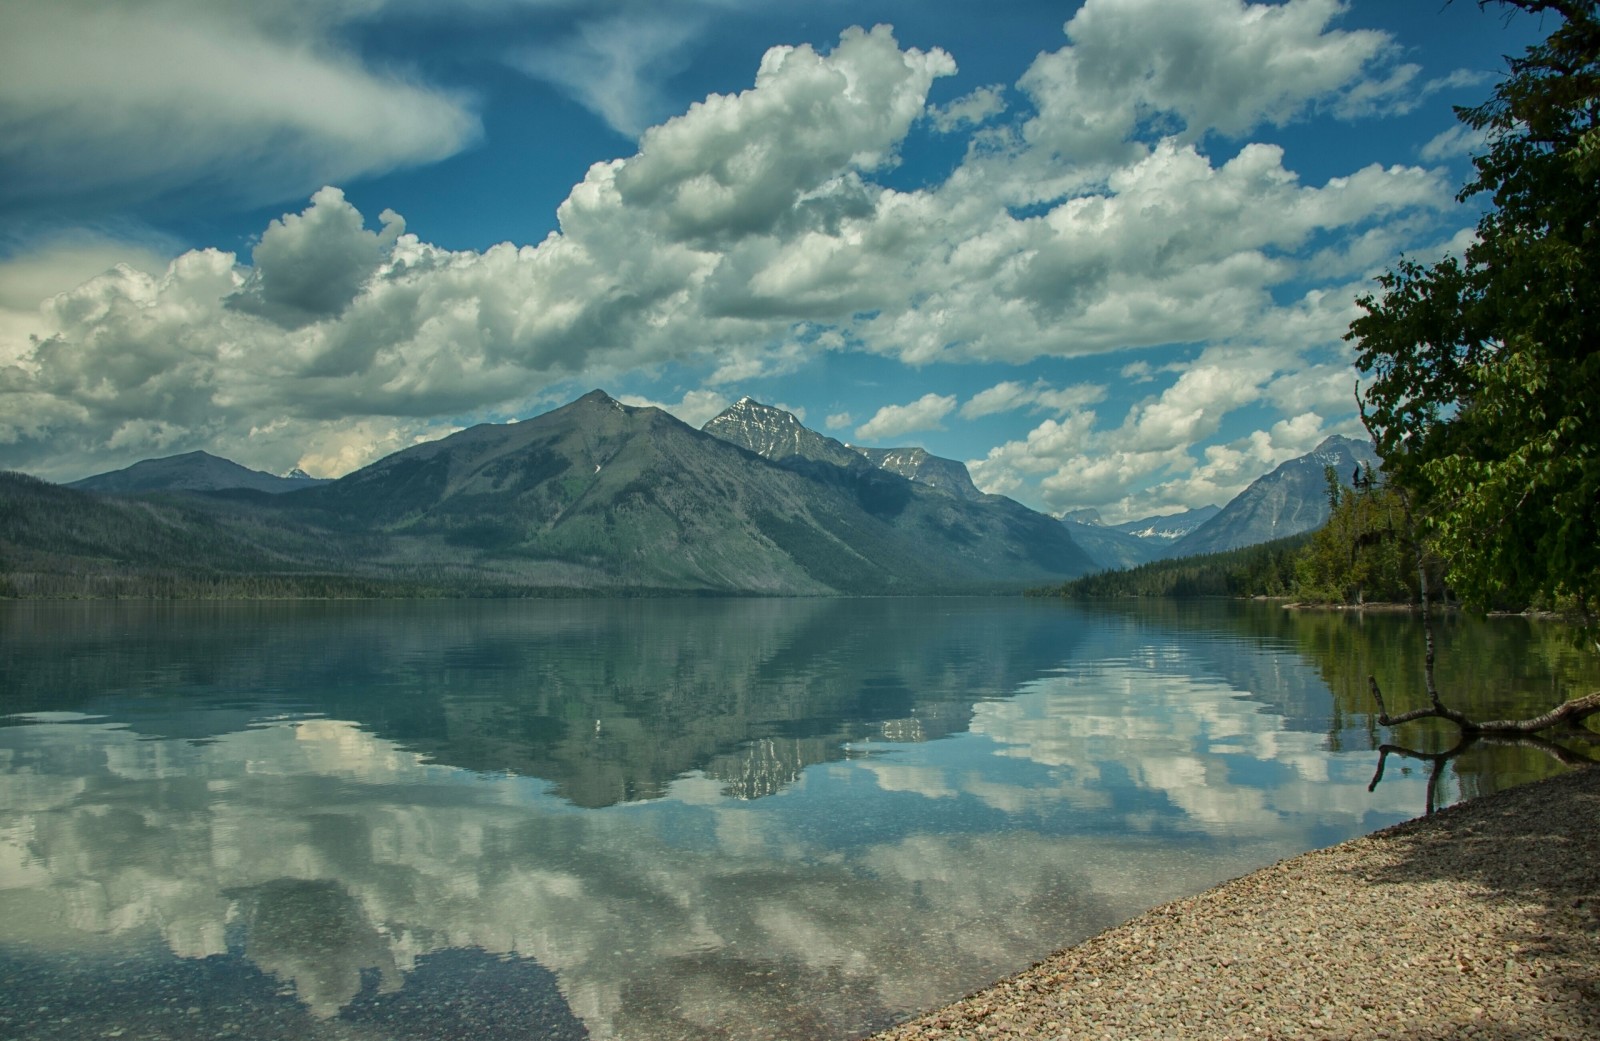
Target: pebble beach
column 1480, row 921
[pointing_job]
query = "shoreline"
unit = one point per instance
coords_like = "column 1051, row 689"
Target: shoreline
column 1482, row 920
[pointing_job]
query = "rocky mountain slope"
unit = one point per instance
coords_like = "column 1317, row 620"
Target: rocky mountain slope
column 917, row 464
column 951, row 519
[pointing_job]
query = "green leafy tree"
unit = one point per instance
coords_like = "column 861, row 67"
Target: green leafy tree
column 1484, row 370
column 1484, row 392
column 1363, row 552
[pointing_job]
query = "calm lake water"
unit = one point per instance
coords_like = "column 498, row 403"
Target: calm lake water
column 667, row 819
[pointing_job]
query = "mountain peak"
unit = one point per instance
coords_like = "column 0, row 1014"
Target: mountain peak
column 778, row 435
column 920, row 465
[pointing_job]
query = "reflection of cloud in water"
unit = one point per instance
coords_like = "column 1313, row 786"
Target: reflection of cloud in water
column 339, row 853
column 1230, row 767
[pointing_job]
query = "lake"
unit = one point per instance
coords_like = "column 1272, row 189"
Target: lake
column 660, row 819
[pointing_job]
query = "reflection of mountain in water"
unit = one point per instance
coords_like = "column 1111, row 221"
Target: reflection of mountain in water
column 352, row 804
column 607, row 700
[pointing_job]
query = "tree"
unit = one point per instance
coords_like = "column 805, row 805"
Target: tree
column 1484, row 392
column 1363, row 551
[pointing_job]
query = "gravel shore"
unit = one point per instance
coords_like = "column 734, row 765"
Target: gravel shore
column 1482, row 921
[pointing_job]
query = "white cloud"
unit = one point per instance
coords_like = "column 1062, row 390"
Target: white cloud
column 749, row 235
column 1459, row 140
column 613, row 66
column 1038, row 396
column 1170, row 250
column 270, row 106
column 1144, row 464
column 1190, row 67
column 969, row 110
column 891, row 421
column 696, row 408
column 56, row 265
column 737, row 165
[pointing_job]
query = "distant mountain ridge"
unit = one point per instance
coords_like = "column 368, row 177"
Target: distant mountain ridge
column 594, row 496
column 1293, row 498
column 1168, row 526
column 597, row 495
column 1287, row 501
column 193, row 471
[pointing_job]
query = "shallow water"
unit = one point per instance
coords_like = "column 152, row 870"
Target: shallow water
column 665, row 819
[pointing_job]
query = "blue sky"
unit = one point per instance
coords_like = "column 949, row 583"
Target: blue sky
column 1104, row 252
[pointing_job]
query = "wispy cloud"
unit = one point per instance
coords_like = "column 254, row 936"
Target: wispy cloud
column 270, row 108
column 614, row 66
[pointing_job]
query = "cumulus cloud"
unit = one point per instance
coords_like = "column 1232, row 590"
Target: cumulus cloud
column 1459, row 140
column 1147, row 463
column 969, row 110
column 696, row 408
column 1172, row 249
column 310, row 265
column 753, row 233
column 271, row 106
column 891, row 421
column 1194, row 66
column 1037, row 396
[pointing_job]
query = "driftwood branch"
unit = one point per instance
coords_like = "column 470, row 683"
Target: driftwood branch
column 1570, row 713
column 1438, row 760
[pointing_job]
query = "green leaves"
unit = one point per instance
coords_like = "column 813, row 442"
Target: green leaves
column 1483, row 373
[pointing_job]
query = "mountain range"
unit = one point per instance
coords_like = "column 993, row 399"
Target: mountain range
column 598, row 496
column 1291, row 499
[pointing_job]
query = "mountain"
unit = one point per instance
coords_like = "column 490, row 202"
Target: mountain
column 591, row 497
column 991, row 533
column 1169, row 527
column 779, row 436
column 917, row 464
column 600, row 495
column 194, row 472
column 1132, row 543
column 1111, row 549
column 57, row 541
column 1291, row 499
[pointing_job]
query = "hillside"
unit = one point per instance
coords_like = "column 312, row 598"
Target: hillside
column 192, row 471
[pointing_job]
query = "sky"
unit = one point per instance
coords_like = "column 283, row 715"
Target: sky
column 1105, row 252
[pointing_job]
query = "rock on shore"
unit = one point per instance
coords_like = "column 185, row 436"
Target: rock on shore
column 1481, row 921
